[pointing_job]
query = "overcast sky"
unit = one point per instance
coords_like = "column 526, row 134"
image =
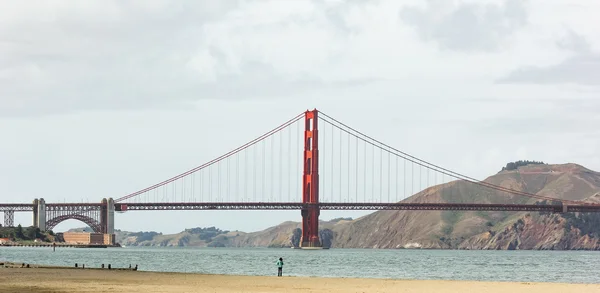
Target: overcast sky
column 103, row 98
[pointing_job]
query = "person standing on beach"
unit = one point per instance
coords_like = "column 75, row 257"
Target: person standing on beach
column 279, row 267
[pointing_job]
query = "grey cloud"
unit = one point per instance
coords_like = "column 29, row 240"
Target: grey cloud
column 535, row 126
column 583, row 68
column 468, row 27
column 129, row 56
column 574, row 42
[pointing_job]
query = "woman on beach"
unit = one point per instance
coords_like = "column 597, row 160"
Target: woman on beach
column 279, row 267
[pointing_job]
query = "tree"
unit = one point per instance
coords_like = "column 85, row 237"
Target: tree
column 520, row 163
column 19, row 233
column 30, row 233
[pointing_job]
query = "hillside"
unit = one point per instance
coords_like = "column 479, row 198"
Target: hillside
column 21, row 234
column 447, row 229
column 484, row 230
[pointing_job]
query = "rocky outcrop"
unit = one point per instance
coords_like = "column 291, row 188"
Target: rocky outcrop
column 545, row 232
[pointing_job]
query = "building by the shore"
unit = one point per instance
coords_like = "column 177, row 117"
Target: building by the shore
column 87, row 238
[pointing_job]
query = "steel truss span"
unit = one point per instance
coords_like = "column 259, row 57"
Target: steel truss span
column 16, row 207
column 356, row 206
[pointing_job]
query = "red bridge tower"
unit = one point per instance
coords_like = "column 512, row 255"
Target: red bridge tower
column 310, row 182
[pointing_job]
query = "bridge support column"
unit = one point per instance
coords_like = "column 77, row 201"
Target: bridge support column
column 310, row 182
column 41, row 215
column 103, row 215
column 9, row 218
column 35, row 212
column 110, row 216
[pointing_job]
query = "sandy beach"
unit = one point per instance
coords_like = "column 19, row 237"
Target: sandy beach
column 45, row 280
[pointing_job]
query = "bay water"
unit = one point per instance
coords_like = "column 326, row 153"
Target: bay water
column 522, row 266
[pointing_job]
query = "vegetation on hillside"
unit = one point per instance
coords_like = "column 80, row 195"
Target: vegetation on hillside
column 587, row 223
column 143, row 236
column 23, row 234
column 340, row 219
column 520, row 163
column 206, row 234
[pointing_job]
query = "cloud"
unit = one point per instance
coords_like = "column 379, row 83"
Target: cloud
column 141, row 54
column 582, row 68
column 470, row 27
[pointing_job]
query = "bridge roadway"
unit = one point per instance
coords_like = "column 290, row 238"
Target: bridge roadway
column 28, row 207
column 355, row 206
column 122, row 207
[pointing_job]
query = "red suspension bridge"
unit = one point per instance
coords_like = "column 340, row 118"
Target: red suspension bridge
column 310, row 163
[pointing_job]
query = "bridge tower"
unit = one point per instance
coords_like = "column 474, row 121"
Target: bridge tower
column 39, row 214
column 110, row 216
column 36, row 202
column 310, row 182
column 107, row 216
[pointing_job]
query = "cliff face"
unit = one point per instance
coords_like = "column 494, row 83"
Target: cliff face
column 548, row 232
column 450, row 229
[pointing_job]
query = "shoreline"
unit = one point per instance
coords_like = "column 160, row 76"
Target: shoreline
column 134, row 268
column 30, row 280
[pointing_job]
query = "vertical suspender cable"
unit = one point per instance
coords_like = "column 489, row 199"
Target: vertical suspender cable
column 262, row 190
column 322, row 172
column 246, row 174
column 412, row 181
column 356, row 179
column 220, row 198
column 365, row 173
column 396, row 189
column 420, row 178
column 332, row 159
column 237, row 177
column 340, row 166
column 404, row 183
column 289, row 165
column 380, row 175
column 254, row 176
column 427, row 178
column 228, row 182
column 348, row 167
column 280, row 165
column 271, row 156
column 389, row 171
column 372, row 173
column 298, row 135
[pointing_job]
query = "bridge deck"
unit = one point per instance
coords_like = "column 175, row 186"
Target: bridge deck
column 300, row 206
column 355, row 206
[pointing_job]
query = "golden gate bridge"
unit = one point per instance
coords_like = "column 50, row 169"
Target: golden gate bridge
column 310, row 163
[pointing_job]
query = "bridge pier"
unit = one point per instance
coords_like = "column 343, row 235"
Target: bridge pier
column 310, row 183
column 107, row 216
column 110, row 216
column 35, row 212
column 39, row 214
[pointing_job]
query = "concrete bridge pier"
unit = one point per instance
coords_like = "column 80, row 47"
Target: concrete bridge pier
column 110, row 216
column 39, row 214
column 35, row 212
column 107, row 216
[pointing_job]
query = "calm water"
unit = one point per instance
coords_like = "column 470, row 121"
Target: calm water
column 535, row 266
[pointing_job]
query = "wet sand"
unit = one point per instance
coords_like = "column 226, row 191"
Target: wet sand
column 28, row 280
